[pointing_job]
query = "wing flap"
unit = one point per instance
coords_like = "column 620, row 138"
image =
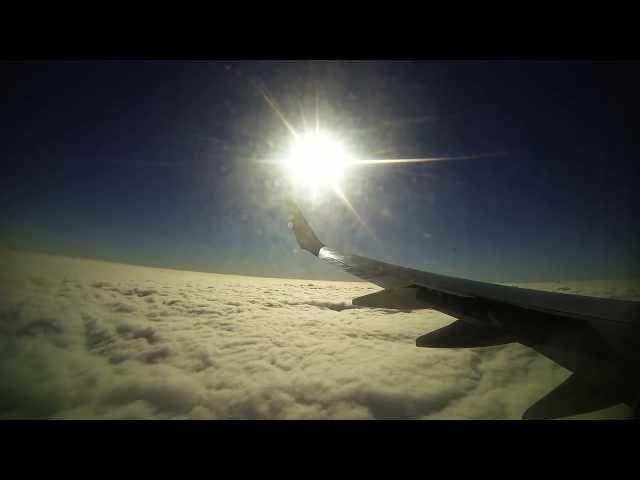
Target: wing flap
column 572, row 397
column 462, row 334
column 395, row 298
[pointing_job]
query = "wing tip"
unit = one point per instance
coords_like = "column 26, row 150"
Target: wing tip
column 305, row 236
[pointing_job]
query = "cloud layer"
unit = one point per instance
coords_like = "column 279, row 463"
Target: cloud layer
column 87, row 339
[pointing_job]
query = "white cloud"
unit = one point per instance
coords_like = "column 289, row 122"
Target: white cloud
column 87, row 339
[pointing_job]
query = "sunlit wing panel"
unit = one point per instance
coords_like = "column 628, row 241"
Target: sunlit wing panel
column 393, row 276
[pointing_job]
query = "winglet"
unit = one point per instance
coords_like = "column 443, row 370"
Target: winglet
column 304, row 235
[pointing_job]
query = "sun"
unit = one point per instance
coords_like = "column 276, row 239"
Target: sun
column 317, row 160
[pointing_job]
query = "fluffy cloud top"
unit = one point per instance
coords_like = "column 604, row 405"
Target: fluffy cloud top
column 87, row 339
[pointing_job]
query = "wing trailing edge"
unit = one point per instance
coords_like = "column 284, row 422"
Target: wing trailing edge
column 462, row 334
column 394, row 298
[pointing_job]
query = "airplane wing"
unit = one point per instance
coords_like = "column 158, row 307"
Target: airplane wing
column 598, row 339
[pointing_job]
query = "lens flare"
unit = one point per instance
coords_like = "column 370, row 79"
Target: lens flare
column 317, row 160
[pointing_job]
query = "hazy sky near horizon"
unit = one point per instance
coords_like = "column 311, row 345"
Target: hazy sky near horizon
column 157, row 163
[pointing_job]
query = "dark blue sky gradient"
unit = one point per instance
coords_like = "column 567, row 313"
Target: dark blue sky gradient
column 156, row 163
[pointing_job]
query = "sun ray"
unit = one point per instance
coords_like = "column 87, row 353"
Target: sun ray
column 340, row 194
column 302, row 116
column 317, row 112
column 275, row 108
column 424, row 160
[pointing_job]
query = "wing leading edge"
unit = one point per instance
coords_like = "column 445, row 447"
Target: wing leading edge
column 598, row 339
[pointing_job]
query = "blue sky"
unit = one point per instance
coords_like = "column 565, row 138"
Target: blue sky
column 157, row 163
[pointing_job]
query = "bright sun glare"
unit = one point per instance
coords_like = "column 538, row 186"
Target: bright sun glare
column 317, row 160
